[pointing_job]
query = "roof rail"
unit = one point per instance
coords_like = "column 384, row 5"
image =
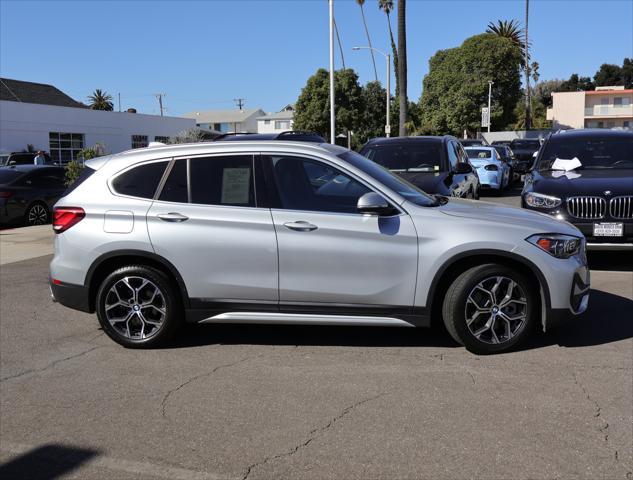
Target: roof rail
column 230, row 134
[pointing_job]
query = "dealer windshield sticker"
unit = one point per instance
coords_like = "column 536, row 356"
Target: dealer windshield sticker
column 566, row 165
column 235, row 185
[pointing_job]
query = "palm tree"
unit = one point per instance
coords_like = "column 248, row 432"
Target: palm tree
column 402, row 67
column 340, row 45
column 101, row 100
column 528, row 105
column 510, row 29
column 362, row 12
column 387, row 7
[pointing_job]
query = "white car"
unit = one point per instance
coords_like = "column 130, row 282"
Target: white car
column 493, row 172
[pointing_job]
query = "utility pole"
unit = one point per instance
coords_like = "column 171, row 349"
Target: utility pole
column 159, row 96
column 528, row 109
column 332, row 111
column 490, row 82
column 119, row 102
column 239, row 102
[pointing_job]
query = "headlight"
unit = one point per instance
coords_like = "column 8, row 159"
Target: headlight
column 557, row 244
column 538, row 200
column 493, row 168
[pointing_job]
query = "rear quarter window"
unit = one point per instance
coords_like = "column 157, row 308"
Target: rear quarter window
column 141, row 181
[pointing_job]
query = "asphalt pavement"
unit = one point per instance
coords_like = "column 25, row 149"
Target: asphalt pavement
column 277, row 402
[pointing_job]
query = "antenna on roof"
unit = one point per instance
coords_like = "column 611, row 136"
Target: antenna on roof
column 239, row 102
column 160, row 96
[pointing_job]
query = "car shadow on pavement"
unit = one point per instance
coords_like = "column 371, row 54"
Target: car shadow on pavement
column 313, row 335
column 607, row 320
column 46, row 462
column 613, row 261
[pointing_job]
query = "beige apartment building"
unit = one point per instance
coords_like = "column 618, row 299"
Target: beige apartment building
column 604, row 107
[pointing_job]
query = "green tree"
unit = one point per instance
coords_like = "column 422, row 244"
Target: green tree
column 510, row 29
column 361, row 4
column 74, row 167
column 456, row 87
column 576, row 83
column 100, row 100
column 312, row 110
column 387, row 7
column 402, row 68
column 372, row 117
column 608, row 75
column 542, row 91
column 627, row 73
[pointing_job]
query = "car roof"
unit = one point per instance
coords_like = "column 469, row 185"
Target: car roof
column 480, row 147
column 25, row 168
column 130, row 157
column 421, row 139
column 592, row 132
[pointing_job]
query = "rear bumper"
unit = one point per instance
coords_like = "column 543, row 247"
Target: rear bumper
column 71, row 296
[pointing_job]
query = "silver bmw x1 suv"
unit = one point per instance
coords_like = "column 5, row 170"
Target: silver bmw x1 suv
column 292, row 233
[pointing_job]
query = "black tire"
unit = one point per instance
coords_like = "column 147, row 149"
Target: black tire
column 169, row 302
column 37, row 214
column 455, row 306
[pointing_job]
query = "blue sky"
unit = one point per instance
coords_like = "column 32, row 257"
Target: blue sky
column 203, row 54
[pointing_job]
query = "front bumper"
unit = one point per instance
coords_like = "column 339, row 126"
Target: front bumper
column 71, row 296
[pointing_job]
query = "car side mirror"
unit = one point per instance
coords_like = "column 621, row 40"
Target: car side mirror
column 374, row 204
column 463, row 167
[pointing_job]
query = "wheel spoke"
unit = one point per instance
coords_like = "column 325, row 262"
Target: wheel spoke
column 508, row 295
column 141, row 320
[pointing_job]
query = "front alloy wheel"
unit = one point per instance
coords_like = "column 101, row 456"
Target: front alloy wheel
column 489, row 308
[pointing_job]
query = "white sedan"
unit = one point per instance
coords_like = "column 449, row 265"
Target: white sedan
column 493, row 172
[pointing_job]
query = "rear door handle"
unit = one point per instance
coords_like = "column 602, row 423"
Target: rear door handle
column 300, row 226
column 172, row 217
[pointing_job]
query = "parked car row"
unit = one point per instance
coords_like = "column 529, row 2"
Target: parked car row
column 28, row 193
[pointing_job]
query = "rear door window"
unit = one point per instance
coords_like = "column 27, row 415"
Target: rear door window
column 222, row 180
column 141, row 181
column 175, row 187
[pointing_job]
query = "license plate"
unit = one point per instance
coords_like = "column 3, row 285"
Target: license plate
column 608, row 229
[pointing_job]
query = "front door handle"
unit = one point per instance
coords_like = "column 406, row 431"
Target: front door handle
column 172, row 217
column 300, row 226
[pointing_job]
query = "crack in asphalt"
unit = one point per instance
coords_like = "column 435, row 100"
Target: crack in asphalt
column 196, row 377
column 312, row 435
column 604, row 428
column 50, row 365
column 472, row 377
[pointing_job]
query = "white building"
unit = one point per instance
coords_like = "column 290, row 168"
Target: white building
column 44, row 117
column 227, row 121
column 276, row 122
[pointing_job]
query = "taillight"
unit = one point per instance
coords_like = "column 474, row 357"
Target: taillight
column 66, row 217
column 5, row 194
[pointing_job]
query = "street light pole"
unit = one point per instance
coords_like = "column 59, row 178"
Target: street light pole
column 332, row 113
column 490, row 82
column 388, row 59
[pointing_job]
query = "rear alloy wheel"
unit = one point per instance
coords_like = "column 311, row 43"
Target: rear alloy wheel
column 37, row 214
column 489, row 309
column 137, row 307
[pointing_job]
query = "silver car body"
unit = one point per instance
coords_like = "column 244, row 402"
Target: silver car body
column 349, row 265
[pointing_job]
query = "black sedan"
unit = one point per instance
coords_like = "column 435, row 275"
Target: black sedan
column 506, row 154
column 437, row 165
column 524, row 150
column 586, row 178
column 28, row 193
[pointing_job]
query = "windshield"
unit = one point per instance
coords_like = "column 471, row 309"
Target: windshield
column 412, row 157
column 7, row 175
column 593, row 153
column 476, row 153
column 388, row 179
column 4, row 159
column 525, row 145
